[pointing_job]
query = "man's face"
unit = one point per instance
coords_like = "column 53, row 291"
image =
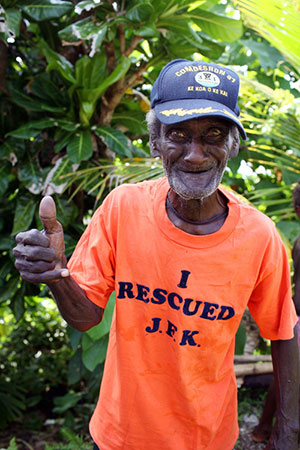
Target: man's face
column 195, row 153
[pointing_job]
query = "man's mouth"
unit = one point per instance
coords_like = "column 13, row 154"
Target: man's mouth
column 196, row 171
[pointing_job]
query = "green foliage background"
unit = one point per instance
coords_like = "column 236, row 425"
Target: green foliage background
column 75, row 82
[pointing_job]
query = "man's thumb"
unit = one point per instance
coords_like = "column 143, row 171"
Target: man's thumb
column 47, row 214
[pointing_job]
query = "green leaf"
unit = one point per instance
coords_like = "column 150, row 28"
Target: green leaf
column 277, row 22
column 268, row 56
column 149, row 30
column 24, row 132
column 45, row 9
column 133, row 121
column 64, row 166
column 9, row 290
column 288, row 176
column 5, row 171
column 209, row 48
column 45, row 88
column 103, row 327
column 66, row 402
column 24, row 214
column 66, row 211
column 31, row 129
column 75, row 337
column 89, row 97
column 178, row 25
column 90, row 72
column 240, row 341
column 84, row 29
column 67, row 125
column 140, row 13
column 98, row 38
column 7, row 266
column 17, row 303
column 31, row 174
column 120, row 70
column 57, row 62
column 80, row 147
column 13, row 20
column 291, row 230
column 23, row 100
column 6, row 149
column 86, row 5
column 218, row 27
column 93, row 352
column 115, row 140
column 75, row 367
column 63, row 142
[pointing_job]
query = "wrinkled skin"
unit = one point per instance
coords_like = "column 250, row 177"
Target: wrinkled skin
column 194, row 155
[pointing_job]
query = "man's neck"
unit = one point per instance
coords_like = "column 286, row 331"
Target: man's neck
column 197, row 216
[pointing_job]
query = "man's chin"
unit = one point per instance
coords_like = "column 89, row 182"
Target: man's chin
column 191, row 194
column 189, row 190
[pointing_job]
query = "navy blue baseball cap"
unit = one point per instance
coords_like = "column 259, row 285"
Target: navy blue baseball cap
column 187, row 90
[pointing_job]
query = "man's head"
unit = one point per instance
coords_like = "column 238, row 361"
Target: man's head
column 194, row 125
column 192, row 89
column 296, row 199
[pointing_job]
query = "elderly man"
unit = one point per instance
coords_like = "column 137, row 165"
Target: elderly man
column 185, row 257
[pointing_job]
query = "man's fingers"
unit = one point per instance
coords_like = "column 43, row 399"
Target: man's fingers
column 34, row 267
column 47, row 214
column 45, row 277
column 32, row 237
column 34, row 253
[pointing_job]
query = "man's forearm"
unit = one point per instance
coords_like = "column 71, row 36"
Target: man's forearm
column 285, row 356
column 75, row 307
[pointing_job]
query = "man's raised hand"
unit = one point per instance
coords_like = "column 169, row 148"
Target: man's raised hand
column 40, row 255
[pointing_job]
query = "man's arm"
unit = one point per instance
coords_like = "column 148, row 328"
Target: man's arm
column 40, row 258
column 285, row 357
column 75, row 307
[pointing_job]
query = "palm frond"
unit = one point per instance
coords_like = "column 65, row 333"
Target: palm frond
column 278, row 22
column 108, row 175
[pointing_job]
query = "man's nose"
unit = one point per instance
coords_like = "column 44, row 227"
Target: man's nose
column 196, row 152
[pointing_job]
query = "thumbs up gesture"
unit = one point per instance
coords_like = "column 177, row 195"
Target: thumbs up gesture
column 39, row 255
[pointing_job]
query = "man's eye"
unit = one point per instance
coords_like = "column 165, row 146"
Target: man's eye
column 214, row 133
column 177, row 135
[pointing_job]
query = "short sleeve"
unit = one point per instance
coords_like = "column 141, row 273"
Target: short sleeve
column 92, row 264
column 271, row 303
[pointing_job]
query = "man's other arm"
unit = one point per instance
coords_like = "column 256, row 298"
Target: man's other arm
column 285, row 357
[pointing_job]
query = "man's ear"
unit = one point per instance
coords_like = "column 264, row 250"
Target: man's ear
column 235, row 147
column 153, row 147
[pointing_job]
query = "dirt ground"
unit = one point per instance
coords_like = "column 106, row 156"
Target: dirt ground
column 245, row 442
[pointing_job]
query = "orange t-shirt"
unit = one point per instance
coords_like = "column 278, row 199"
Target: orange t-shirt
column 169, row 380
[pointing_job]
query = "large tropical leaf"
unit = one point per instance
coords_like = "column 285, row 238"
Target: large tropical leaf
column 46, row 9
column 278, row 22
column 11, row 26
column 80, row 147
column 57, row 62
column 104, row 174
column 24, row 214
column 216, row 26
column 115, row 140
column 271, row 117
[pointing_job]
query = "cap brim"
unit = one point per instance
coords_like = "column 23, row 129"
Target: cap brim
column 180, row 110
